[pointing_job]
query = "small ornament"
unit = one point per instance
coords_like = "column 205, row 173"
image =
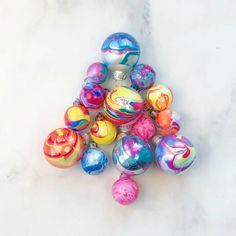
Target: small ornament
column 174, row 154
column 103, row 132
column 131, row 155
column 120, row 52
column 123, row 105
column 77, row 117
column 63, row 148
column 167, row 122
column 97, row 73
column 92, row 96
column 125, row 190
column 94, row 160
column 159, row 97
column 142, row 77
column 144, row 128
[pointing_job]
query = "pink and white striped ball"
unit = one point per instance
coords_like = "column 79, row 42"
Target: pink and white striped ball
column 125, row 191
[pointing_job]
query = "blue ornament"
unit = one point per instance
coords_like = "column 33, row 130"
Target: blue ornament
column 94, row 161
column 120, row 52
column 131, row 155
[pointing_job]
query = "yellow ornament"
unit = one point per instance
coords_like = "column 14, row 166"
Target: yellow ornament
column 103, row 132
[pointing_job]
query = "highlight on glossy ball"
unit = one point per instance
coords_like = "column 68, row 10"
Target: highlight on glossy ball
column 167, row 122
column 123, row 105
column 77, row 117
column 160, row 97
column 144, row 128
column 125, row 191
column 120, row 52
column 142, row 77
column 92, row 96
column 103, row 132
column 94, row 161
column 63, row 148
column 97, row 73
column 175, row 154
column 131, row 155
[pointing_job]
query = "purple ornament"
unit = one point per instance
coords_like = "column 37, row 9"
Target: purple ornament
column 97, row 73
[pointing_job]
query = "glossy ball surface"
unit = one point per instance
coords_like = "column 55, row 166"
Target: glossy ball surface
column 131, row 155
column 77, row 117
column 159, row 97
column 167, row 122
column 174, row 154
column 142, row 77
column 92, row 96
column 123, row 105
column 63, row 148
column 103, row 132
column 120, row 51
column 144, row 128
column 97, row 73
column 125, row 191
column 94, row 161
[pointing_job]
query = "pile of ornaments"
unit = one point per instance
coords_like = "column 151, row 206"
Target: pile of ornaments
column 135, row 124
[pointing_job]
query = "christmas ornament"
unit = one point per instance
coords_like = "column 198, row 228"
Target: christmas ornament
column 97, row 73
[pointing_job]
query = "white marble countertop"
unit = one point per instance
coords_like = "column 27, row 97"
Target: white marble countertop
column 45, row 48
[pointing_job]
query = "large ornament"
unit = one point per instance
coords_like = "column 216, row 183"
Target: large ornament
column 97, row 73
column 125, row 190
column 131, row 155
column 77, row 117
column 123, row 105
column 103, row 132
column 63, row 148
column 94, row 161
column 167, row 122
column 120, row 52
column 92, row 96
column 174, row 154
column 159, row 97
column 142, row 77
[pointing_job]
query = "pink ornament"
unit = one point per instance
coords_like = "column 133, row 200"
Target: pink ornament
column 144, row 128
column 125, row 190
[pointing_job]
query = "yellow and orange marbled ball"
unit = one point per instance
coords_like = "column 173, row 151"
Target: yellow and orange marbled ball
column 160, row 97
column 63, row 148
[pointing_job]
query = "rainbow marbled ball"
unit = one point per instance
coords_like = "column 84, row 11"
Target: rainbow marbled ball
column 131, row 155
column 77, row 117
column 92, row 96
column 174, row 154
column 142, row 77
column 123, row 105
column 125, row 191
column 160, row 97
column 97, row 73
column 63, row 148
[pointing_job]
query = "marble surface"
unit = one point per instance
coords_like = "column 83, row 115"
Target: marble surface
column 45, row 48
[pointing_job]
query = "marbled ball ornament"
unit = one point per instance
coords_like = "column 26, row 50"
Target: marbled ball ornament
column 97, row 73
column 94, row 161
column 120, row 52
column 63, row 148
column 125, row 191
column 92, row 96
column 142, row 77
column 131, row 155
column 174, row 154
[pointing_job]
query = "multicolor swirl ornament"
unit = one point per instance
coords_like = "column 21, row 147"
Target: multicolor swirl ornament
column 120, row 52
column 159, row 97
column 174, row 154
column 97, row 73
column 77, row 117
column 142, row 77
column 131, row 155
column 125, row 190
column 92, row 96
column 123, row 105
column 63, row 148
column 94, row 161
column 167, row 122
